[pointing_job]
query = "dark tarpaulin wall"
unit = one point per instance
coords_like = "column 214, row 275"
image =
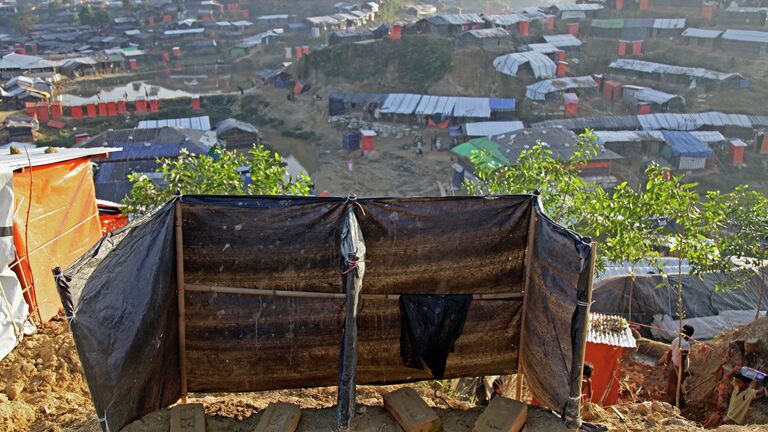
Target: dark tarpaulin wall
column 246, row 342
column 125, row 323
column 558, row 299
column 638, row 298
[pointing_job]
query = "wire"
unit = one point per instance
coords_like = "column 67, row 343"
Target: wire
column 32, row 293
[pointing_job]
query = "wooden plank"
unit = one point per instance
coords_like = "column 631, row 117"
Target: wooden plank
column 188, row 418
column 502, row 415
column 410, row 411
column 279, row 417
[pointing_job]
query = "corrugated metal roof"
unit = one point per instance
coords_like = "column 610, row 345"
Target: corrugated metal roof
column 400, row 103
column 685, row 144
column 489, row 33
column 502, row 104
column 669, row 23
column 693, row 32
column 456, row 19
column 610, row 330
column 579, row 15
column 655, row 135
column 654, row 96
column 578, row 7
column 38, row 157
column 540, row 90
column 227, row 125
column 542, row 66
column 197, row 123
column 563, row 40
column 491, row 128
column 505, row 19
column 183, row 31
column 651, row 67
column 542, row 48
column 608, row 23
column 317, row 20
column 746, row 36
column 431, row 105
column 472, row 107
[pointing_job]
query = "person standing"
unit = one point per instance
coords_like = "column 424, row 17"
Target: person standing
column 677, row 364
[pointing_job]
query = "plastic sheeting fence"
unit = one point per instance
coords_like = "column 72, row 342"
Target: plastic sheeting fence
column 280, row 292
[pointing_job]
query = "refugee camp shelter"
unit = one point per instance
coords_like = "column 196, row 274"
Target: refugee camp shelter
column 51, row 219
column 703, row 38
column 640, row 293
column 588, row 9
column 607, row 339
column 685, row 151
column 13, row 64
column 565, row 42
column 671, row 75
column 561, row 142
column 340, row 103
column 452, row 25
column 233, row 133
column 754, row 17
column 551, row 89
column 239, row 294
column 635, row 97
column 488, row 39
column 536, row 64
column 339, row 37
column 491, row 128
column 140, row 150
column 745, row 41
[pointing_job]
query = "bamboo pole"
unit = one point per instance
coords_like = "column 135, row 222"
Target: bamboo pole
column 680, row 330
column 320, row 295
column 526, row 285
column 761, row 269
column 181, row 304
column 585, row 333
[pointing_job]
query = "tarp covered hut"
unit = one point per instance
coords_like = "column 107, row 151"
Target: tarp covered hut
column 239, row 293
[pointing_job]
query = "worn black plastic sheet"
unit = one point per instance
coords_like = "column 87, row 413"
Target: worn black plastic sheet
column 260, row 341
column 639, row 297
column 557, row 299
column 125, row 320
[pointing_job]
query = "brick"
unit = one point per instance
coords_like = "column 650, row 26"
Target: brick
column 410, row 411
column 187, row 418
column 502, row 415
column 279, row 417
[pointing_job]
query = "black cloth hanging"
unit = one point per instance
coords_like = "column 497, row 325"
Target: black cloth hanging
column 429, row 326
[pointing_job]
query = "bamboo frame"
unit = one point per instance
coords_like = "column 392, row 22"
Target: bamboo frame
column 319, row 295
column 585, row 333
column 180, row 300
column 526, row 285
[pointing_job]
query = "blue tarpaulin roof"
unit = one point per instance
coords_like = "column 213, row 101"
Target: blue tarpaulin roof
column 687, row 145
column 502, row 104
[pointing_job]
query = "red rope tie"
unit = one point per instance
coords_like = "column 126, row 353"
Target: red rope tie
column 668, row 331
column 353, row 264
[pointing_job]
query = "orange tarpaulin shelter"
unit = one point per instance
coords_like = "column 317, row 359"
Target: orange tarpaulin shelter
column 110, row 216
column 55, row 219
column 607, row 338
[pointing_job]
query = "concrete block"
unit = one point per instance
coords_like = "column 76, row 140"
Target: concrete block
column 410, row 411
column 502, row 415
column 188, row 418
column 279, row 417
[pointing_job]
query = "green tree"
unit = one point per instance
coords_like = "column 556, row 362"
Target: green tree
column 738, row 221
column 93, row 16
column 214, row 174
column 24, row 21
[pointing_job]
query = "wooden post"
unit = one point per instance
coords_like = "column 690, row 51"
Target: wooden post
column 526, row 285
column 585, row 333
column 180, row 300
